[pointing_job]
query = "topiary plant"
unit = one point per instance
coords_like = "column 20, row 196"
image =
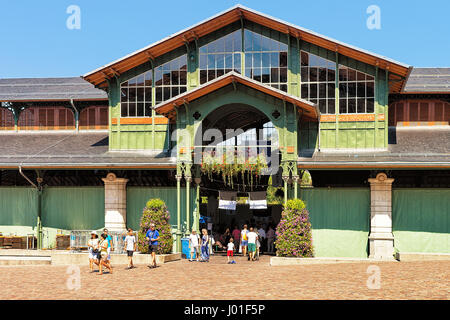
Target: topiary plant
column 156, row 212
column 294, row 236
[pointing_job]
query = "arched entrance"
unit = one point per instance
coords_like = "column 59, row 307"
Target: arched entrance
column 244, row 132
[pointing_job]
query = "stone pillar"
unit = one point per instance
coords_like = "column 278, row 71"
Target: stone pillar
column 115, row 203
column 381, row 239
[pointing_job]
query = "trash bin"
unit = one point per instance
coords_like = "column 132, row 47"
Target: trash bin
column 185, row 248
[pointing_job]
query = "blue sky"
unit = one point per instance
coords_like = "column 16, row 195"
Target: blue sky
column 35, row 42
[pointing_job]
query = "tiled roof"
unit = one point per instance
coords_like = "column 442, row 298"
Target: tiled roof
column 408, row 147
column 44, row 89
column 70, row 149
column 428, row 80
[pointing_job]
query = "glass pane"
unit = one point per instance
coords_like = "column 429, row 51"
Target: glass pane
column 283, row 59
column 342, row 90
column 342, row 74
column 124, row 109
column 148, row 94
column 342, row 105
column 351, row 105
column 140, row 109
column 351, row 74
column 274, row 75
column 132, row 109
column 132, row 94
column 140, row 94
column 322, row 74
column 352, row 89
column 322, row 90
column 313, row 74
column 331, row 106
column 140, row 81
column 265, row 75
column 124, row 94
column 203, row 78
column 313, row 90
column 331, row 90
column 370, row 89
column 305, row 91
column 283, row 74
column 323, row 105
column 361, row 107
column 304, row 74
column 370, row 105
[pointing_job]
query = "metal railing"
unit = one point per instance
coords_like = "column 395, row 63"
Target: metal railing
column 79, row 240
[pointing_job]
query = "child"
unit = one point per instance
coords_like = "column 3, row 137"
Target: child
column 130, row 247
column 194, row 240
column 230, row 249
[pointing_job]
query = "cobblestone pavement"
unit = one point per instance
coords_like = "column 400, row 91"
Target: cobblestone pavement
column 244, row 280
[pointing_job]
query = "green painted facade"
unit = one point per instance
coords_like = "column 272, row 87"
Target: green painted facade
column 420, row 220
column 341, row 135
column 340, row 220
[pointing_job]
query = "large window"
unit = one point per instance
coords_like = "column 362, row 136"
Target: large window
column 220, row 56
column 318, row 81
column 136, row 96
column 170, row 79
column 265, row 60
column 356, row 91
column 136, row 93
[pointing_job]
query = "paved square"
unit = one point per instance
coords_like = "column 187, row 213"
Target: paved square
column 244, row 280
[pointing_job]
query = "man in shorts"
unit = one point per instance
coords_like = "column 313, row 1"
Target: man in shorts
column 152, row 236
column 130, row 247
column 252, row 237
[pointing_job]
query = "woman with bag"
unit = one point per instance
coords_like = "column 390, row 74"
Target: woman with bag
column 103, row 246
column 93, row 250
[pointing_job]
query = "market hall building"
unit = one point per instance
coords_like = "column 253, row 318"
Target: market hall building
column 86, row 152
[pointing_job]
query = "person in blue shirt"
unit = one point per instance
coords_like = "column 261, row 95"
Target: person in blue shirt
column 152, row 236
column 110, row 244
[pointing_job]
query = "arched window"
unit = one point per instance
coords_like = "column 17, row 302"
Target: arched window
column 318, row 77
column 220, row 56
column 356, row 91
column 94, row 117
column 265, row 60
column 46, row 118
column 6, row 119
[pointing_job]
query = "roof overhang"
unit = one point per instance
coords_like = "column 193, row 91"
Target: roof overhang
column 399, row 72
column 168, row 108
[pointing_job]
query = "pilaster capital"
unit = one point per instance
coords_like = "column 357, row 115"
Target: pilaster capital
column 188, row 178
column 381, row 178
column 111, row 178
column 178, row 177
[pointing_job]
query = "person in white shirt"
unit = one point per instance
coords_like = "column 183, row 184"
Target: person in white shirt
column 130, row 247
column 252, row 236
column 194, row 240
column 230, row 250
column 93, row 250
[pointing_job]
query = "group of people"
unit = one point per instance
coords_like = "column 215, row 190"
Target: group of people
column 100, row 249
column 248, row 240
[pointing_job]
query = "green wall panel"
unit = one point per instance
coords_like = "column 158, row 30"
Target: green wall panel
column 340, row 220
column 18, row 206
column 420, row 220
column 137, row 198
column 73, row 208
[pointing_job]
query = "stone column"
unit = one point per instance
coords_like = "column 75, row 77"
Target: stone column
column 115, row 203
column 381, row 239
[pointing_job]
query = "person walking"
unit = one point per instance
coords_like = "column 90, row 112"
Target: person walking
column 152, row 236
column 130, row 247
column 194, row 245
column 205, row 246
column 262, row 239
column 110, row 244
column 93, row 250
column 244, row 240
column 252, row 237
column 236, row 236
column 270, row 239
column 104, row 261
